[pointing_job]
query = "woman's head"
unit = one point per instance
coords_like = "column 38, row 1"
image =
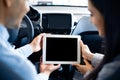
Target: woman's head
column 97, row 16
column 106, row 16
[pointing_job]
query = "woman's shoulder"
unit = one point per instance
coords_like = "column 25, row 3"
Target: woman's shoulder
column 110, row 71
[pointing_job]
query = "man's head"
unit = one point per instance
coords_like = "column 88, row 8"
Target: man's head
column 12, row 12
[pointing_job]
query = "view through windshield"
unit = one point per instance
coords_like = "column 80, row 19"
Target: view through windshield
column 60, row 2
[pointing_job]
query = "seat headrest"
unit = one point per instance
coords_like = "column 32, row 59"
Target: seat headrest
column 83, row 25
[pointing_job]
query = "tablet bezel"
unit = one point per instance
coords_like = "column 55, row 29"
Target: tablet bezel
column 78, row 37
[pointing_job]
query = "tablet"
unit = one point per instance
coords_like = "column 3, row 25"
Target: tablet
column 61, row 49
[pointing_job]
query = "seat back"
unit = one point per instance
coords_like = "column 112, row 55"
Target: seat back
column 92, row 39
column 83, row 25
column 89, row 34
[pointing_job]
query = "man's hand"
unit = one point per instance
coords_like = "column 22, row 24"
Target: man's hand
column 48, row 68
column 36, row 44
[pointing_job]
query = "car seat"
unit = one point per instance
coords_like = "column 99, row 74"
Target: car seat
column 89, row 34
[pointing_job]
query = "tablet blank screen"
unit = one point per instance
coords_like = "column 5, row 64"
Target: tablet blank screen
column 61, row 49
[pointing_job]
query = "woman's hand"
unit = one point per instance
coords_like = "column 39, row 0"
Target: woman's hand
column 86, row 53
column 83, row 68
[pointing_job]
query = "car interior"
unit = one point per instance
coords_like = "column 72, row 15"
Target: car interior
column 35, row 23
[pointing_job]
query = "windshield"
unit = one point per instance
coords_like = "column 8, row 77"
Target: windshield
column 59, row 2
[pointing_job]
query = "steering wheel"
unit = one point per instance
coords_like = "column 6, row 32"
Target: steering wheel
column 26, row 32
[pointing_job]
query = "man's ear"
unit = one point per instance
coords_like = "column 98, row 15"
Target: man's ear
column 7, row 3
